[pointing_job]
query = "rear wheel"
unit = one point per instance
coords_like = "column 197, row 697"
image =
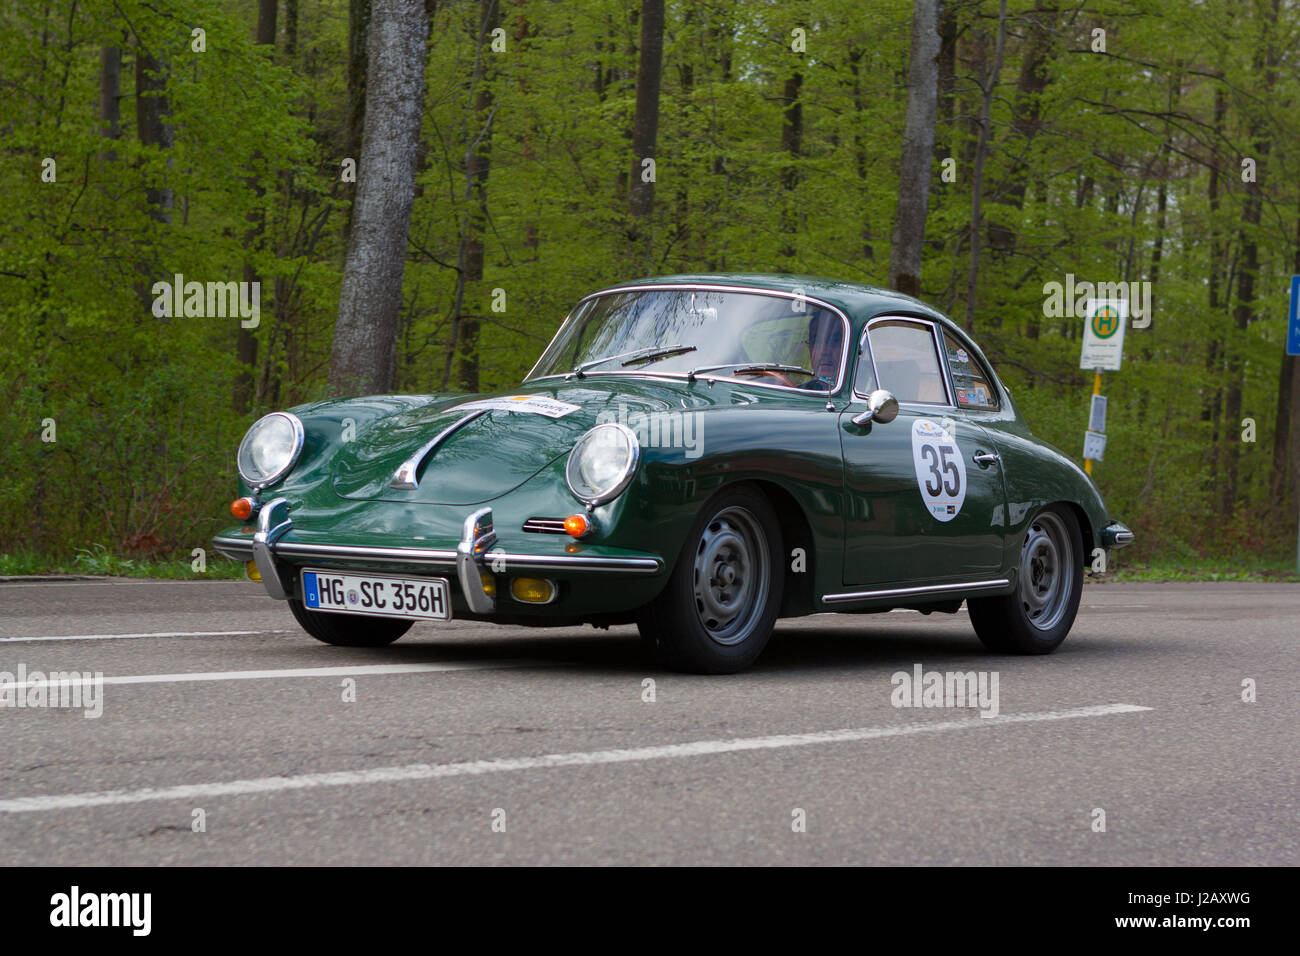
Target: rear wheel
column 717, row 612
column 349, row 630
column 1037, row 616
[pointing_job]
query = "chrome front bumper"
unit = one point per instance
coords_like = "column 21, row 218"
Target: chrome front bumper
column 473, row 556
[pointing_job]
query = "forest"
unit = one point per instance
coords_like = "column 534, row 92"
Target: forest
column 987, row 156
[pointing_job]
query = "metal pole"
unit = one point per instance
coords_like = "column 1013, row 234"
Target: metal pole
column 1096, row 390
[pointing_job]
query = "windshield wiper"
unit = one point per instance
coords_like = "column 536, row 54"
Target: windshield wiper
column 645, row 355
column 659, row 353
column 742, row 367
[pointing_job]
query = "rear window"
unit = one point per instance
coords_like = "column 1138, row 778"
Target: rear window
column 973, row 385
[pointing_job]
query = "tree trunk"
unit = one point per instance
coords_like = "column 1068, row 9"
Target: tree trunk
column 266, row 13
column 358, row 29
column 860, row 134
column 945, row 132
column 246, row 385
column 1244, row 311
column 1213, row 400
column 110, row 96
column 915, row 159
column 1025, row 118
column 290, row 29
column 791, row 146
column 365, row 336
column 977, row 179
column 645, row 127
column 151, row 111
column 469, row 259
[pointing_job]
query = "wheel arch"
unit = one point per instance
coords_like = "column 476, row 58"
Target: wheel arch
column 1086, row 530
column 796, row 532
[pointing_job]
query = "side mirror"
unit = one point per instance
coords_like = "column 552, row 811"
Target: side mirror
column 882, row 408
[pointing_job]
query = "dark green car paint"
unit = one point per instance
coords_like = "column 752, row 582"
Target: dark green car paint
column 851, row 513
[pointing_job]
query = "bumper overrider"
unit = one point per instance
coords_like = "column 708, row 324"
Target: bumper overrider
column 1116, row 535
column 475, row 556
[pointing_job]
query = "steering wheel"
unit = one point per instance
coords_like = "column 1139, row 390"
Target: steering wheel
column 780, row 377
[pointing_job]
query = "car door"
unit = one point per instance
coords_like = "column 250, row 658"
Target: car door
column 924, row 492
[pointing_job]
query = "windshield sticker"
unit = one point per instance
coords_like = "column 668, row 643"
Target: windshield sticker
column 940, row 471
column 530, row 404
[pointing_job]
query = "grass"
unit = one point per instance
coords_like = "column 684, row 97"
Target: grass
column 1252, row 568
column 100, row 561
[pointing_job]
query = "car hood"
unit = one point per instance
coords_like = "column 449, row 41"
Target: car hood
column 518, row 435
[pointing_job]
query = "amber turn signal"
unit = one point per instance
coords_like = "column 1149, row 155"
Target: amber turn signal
column 242, row 508
column 577, row 525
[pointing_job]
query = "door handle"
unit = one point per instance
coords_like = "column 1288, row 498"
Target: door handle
column 986, row 458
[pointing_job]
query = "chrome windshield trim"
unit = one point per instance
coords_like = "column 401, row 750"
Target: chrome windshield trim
column 704, row 286
column 926, row 590
column 405, row 478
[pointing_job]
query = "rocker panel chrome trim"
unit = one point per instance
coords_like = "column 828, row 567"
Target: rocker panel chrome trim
column 923, row 591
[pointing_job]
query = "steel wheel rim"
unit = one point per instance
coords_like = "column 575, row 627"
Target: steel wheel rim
column 731, row 574
column 1046, row 565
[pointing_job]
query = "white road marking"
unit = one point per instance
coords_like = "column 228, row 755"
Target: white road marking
column 111, row 637
column 343, row 671
column 435, row 771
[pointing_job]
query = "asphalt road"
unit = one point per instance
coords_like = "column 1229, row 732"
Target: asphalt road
column 214, row 700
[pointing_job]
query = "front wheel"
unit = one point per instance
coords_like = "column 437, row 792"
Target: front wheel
column 719, row 607
column 1037, row 616
column 349, row 630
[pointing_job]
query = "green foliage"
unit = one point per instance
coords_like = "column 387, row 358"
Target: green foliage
column 1103, row 169
column 99, row 560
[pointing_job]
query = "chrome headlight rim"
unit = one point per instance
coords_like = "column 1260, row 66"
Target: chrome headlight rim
column 299, row 438
column 629, row 469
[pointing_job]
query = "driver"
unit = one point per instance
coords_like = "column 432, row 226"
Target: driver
column 825, row 343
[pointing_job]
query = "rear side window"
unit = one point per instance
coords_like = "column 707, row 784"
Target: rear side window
column 972, row 383
column 906, row 362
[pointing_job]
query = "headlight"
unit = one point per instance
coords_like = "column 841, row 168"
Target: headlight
column 602, row 463
column 269, row 449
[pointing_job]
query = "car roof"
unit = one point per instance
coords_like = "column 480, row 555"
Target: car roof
column 856, row 299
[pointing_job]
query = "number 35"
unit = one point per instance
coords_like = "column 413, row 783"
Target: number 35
column 939, row 460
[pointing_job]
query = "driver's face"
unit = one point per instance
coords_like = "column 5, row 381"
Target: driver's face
column 825, row 347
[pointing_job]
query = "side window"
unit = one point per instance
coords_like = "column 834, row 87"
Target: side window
column 971, row 381
column 906, row 361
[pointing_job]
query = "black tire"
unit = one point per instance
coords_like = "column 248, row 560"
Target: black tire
column 1036, row 617
column 723, row 624
column 349, row 630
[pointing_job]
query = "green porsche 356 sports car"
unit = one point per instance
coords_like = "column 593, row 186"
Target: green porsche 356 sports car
column 696, row 454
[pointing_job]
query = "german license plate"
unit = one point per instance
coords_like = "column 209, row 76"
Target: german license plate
column 379, row 595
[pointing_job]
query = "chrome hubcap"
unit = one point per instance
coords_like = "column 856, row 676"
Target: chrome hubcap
column 1046, row 570
column 731, row 575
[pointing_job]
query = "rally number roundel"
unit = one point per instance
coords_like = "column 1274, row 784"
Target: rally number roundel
column 940, row 472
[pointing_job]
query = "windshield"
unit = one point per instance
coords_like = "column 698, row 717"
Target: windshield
column 767, row 339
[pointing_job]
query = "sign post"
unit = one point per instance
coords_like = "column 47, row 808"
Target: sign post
column 1103, row 350
column 1293, row 348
